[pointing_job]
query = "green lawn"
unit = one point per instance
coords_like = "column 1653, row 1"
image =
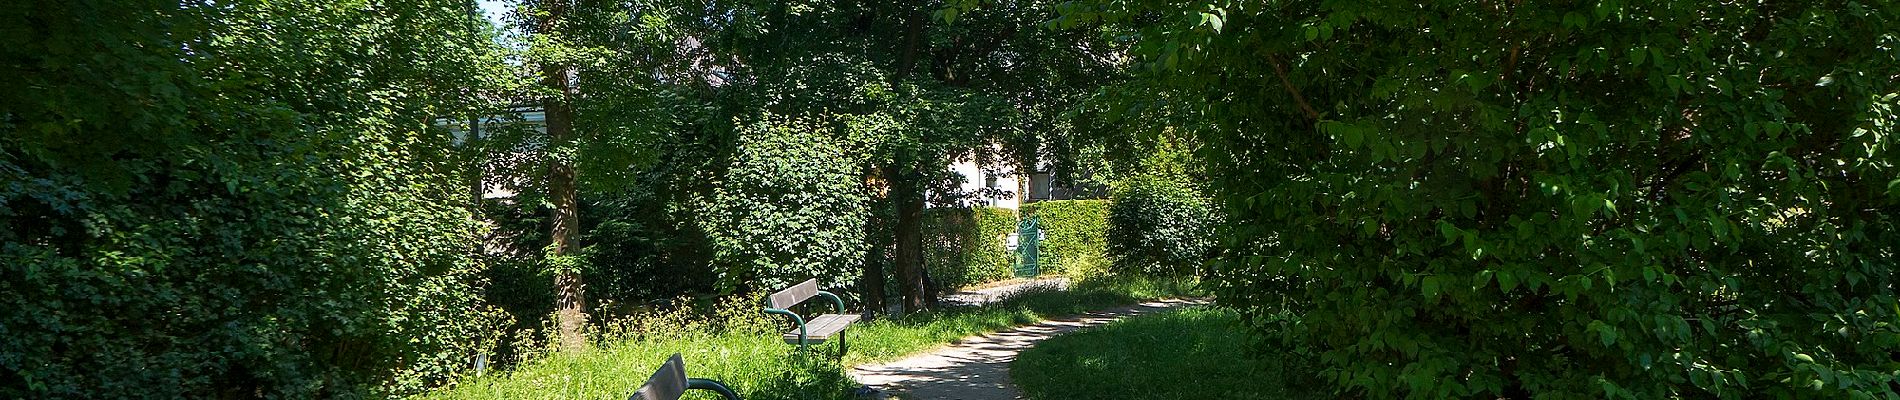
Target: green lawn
column 1191, row 353
column 760, row 367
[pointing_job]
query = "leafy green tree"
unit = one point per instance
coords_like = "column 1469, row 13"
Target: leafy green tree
column 607, row 80
column 1555, row 200
column 916, row 84
column 239, row 199
column 550, row 24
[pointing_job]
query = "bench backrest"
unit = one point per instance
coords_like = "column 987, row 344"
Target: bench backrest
column 789, row 297
column 669, row 383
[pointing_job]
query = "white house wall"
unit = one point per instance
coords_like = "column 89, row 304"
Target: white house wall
column 975, row 179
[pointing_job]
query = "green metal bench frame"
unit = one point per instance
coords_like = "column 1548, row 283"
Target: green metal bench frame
column 795, row 299
column 670, row 383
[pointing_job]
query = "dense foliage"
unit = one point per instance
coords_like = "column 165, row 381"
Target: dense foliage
column 1159, row 226
column 240, row 199
column 1555, row 200
column 1074, row 235
column 967, row 246
column 788, row 210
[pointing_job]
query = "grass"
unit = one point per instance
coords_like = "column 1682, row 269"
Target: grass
column 758, row 366
column 1191, row 353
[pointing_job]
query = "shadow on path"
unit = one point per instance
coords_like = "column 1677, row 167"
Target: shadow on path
column 977, row 368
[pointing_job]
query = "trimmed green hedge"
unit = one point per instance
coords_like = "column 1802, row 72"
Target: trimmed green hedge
column 965, row 246
column 1075, row 235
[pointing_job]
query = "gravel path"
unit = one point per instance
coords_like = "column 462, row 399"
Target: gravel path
column 991, row 295
column 977, row 367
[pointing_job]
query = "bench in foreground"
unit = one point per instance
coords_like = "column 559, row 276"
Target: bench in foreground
column 670, row 382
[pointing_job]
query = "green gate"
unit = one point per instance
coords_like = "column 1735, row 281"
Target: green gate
column 1028, row 244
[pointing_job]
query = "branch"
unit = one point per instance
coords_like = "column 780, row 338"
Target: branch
column 1280, row 70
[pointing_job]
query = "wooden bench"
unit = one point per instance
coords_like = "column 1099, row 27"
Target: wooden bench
column 816, row 330
column 670, row 382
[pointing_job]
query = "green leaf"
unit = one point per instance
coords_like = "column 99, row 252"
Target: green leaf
column 1212, row 20
column 1507, row 281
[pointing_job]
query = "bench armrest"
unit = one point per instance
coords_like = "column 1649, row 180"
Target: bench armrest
column 834, row 300
column 795, row 318
column 715, row 386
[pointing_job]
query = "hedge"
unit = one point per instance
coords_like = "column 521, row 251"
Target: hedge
column 1075, row 233
column 965, row 246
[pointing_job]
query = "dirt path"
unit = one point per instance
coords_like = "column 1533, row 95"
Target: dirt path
column 977, row 368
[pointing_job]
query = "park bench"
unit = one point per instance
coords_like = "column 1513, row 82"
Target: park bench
column 670, row 382
column 815, row 330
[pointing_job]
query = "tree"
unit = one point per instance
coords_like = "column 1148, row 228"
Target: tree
column 557, row 76
column 239, row 199
column 916, row 87
column 1551, row 200
column 607, row 75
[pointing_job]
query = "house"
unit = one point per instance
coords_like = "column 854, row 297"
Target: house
column 1006, row 186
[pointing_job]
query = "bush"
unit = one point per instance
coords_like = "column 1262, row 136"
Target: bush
column 967, row 246
column 787, row 211
column 1074, row 235
column 1158, row 226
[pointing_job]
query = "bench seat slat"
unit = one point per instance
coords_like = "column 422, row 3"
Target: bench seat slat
column 668, row 383
column 821, row 328
column 785, row 299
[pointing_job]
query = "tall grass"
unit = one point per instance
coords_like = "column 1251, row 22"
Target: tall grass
column 737, row 346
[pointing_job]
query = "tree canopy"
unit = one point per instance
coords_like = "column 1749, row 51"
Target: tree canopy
column 1441, row 199
column 1559, row 200
column 235, row 199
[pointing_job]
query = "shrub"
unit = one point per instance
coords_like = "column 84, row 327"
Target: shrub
column 787, row 211
column 1074, row 234
column 966, row 246
column 1158, row 226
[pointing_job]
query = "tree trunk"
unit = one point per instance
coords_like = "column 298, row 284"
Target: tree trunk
column 910, row 239
column 570, row 292
column 872, row 285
